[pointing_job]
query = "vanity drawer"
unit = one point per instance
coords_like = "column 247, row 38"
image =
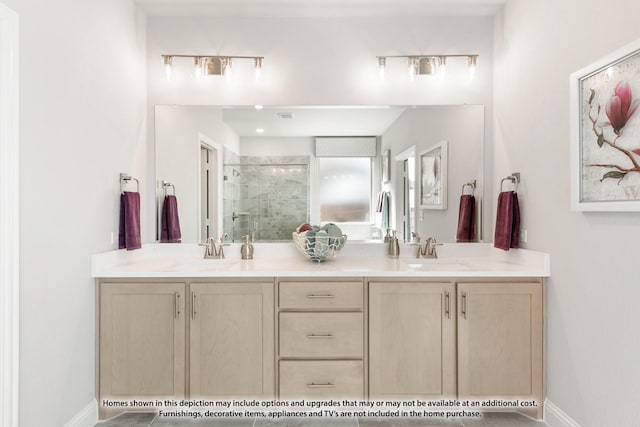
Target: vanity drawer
column 321, row 295
column 321, row 335
column 321, row 379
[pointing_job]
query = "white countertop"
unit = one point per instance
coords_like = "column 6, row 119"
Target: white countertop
column 355, row 260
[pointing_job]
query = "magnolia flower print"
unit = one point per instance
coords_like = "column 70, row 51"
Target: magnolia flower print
column 619, row 110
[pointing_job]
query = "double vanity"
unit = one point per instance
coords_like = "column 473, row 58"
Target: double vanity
column 467, row 325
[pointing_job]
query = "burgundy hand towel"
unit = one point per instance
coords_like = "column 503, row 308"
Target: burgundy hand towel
column 507, row 221
column 466, row 219
column 515, row 233
column 129, row 234
column 170, row 232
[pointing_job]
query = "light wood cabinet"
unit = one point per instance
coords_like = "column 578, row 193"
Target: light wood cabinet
column 500, row 342
column 411, row 340
column 142, row 341
column 232, row 340
column 321, row 339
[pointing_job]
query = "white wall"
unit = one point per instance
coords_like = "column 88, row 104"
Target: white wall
column 319, row 60
column 177, row 149
column 463, row 128
column 593, row 293
column 82, row 121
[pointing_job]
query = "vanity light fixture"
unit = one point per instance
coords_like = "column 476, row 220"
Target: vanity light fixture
column 428, row 64
column 211, row 65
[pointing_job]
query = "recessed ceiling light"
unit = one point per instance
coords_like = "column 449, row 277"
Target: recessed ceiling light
column 259, row 130
column 258, row 107
column 286, row 115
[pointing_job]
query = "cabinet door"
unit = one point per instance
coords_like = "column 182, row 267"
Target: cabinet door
column 500, row 340
column 232, row 340
column 411, row 340
column 142, row 340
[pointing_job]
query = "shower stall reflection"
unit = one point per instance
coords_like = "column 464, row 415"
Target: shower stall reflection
column 267, row 197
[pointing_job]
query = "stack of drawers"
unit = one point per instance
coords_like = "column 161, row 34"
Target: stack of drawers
column 321, row 339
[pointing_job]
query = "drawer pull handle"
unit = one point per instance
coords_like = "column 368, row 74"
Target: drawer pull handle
column 325, row 385
column 320, row 296
column 321, row 336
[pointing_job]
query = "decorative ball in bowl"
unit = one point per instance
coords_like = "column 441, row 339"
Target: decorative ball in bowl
column 319, row 244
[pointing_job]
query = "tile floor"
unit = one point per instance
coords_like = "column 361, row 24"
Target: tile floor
column 490, row 419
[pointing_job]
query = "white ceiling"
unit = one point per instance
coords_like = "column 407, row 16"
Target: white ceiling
column 320, row 8
column 311, row 121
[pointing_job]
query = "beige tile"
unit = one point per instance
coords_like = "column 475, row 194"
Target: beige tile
column 307, row 422
column 131, row 419
column 408, row 422
column 502, row 419
column 206, row 422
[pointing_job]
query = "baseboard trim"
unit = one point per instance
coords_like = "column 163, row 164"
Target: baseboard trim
column 555, row 417
column 87, row 417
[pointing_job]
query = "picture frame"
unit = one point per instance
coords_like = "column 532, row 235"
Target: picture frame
column 432, row 182
column 386, row 166
column 605, row 133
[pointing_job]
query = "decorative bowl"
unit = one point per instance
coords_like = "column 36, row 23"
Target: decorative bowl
column 319, row 247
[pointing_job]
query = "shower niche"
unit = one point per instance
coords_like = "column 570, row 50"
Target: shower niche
column 267, row 197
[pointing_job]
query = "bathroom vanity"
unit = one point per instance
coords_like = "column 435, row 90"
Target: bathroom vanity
column 468, row 325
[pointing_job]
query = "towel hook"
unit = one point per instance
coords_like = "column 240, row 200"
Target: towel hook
column 166, row 185
column 471, row 184
column 514, row 178
column 124, row 180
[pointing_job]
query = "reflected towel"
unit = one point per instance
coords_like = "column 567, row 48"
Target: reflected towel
column 507, row 221
column 170, row 223
column 129, row 234
column 385, row 209
column 466, row 219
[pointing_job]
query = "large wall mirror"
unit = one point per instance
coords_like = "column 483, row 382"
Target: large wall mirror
column 244, row 170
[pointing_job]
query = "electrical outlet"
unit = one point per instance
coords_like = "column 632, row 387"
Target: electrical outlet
column 523, row 236
column 421, row 216
column 113, row 237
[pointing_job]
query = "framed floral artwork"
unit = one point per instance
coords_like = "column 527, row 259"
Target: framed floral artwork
column 433, row 177
column 605, row 133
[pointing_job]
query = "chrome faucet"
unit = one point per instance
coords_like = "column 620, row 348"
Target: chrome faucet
column 210, row 250
column 429, row 250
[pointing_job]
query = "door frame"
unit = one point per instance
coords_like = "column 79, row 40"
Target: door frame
column 205, row 142
column 9, row 218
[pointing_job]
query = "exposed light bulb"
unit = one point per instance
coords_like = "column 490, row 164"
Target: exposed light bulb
column 412, row 67
column 227, row 67
column 257, row 63
column 382, row 65
column 473, row 61
column 442, row 66
column 197, row 67
column 167, row 60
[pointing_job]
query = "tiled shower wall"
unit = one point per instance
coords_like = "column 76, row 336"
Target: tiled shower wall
column 266, row 196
